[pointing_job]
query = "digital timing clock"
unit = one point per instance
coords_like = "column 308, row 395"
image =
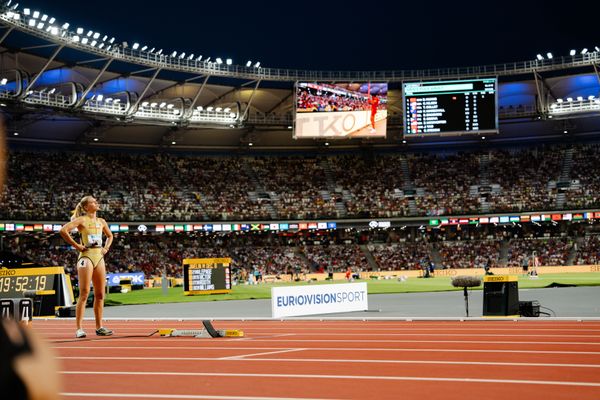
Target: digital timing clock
column 48, row 285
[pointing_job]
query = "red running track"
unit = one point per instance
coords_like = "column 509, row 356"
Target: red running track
column 333, row 360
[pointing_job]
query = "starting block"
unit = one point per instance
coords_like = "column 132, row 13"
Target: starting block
column 208, row 332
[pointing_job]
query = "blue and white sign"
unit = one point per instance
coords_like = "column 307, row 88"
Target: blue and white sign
column 319, row 299
column 137, row 278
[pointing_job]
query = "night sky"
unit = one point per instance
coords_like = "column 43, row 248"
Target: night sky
column 341, row 35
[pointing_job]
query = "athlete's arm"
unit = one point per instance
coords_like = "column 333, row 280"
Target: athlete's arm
column 68, row 227
column 109, row 236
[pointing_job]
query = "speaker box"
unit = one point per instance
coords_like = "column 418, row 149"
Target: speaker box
column 529, row 308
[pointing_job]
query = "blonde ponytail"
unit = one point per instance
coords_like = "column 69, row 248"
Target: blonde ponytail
column 80, row 208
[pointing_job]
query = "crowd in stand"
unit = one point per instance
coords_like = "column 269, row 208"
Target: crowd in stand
column 272, row 253
column 551, row 251
column 469, row 253
column 524, row 176
column 168, row 187
column 309, row 99
column 589, row 251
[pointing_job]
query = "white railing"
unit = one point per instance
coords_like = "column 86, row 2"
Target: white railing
column 56, row 34
column 575, row 106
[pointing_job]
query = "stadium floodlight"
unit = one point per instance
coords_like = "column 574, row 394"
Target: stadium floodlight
column 80, row 31
column 559, row 100
column 52, row 20
column 109, row 99
column 219, row 61
column 169, row 106
column 326, row 143
column 249, row 64
column 232, row 115
column 159, row 52
column 572, row 52
column 144, row 48
column 3, row 81
column 112, row 40
column 209, row 109
column 101, row 45
column 173, row 142
column 104, row 38
column 117, row 101
column 218, row 109
column 199, row 108
column 591, row 97
column 90, row 33
column 145, row 104
column 36, row 14
column 174, row 54
column 162, row 105
column 579, row 98
column 76, row 38
column 191, row 56
column 182, row 55
column 207, row 60
column 229, row 61
column 135, row 46
column 54, row 30
column 96, row 139
column 16, row 16
column 250, row 144
column 52, row 91
column 93, row 43
column 100, row 97
column 40, row 25
column 96, row 35
column 65, row 26
column 227, row 110
column 153, row 105
column 539, row 57
column 199, row 58
column 585, row 50
column 152, row 50
column 109, row 46
column 597, row 48
column 44, row 17
column 257, row 65
column 84, row 40
column 26, row 11
column 31, row 22
column 549, row 55
column 15, row 6
column 125, row 45
column 569, row 99
column 565, row 131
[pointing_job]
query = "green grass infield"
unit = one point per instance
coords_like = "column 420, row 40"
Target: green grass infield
column 411, row 285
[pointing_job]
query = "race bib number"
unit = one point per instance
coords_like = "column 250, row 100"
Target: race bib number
column 94, row 240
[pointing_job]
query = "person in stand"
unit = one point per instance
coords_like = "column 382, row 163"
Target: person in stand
column 90, row 263
column 348, row 274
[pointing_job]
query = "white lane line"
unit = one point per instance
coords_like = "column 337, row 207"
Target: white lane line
column 359, row 329
column 352, row 377
column 181, row 396
column 340, row 360
column 344, row 349
column 370, row 334
column 259, row 354
column 192, row 340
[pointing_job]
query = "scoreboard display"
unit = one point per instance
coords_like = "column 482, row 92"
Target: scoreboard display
column 450, row 107
column 50, row 285
column 206, row 275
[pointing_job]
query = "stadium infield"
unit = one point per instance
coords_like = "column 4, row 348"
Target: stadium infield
column 333, row 360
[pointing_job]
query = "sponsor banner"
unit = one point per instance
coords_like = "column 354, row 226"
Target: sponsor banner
column 137, row 278
column 318, row 299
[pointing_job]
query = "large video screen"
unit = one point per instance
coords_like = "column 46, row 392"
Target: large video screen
column 341, row 110
column 450, row 107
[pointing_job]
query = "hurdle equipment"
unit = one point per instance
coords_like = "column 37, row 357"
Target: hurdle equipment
column 208, row 332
